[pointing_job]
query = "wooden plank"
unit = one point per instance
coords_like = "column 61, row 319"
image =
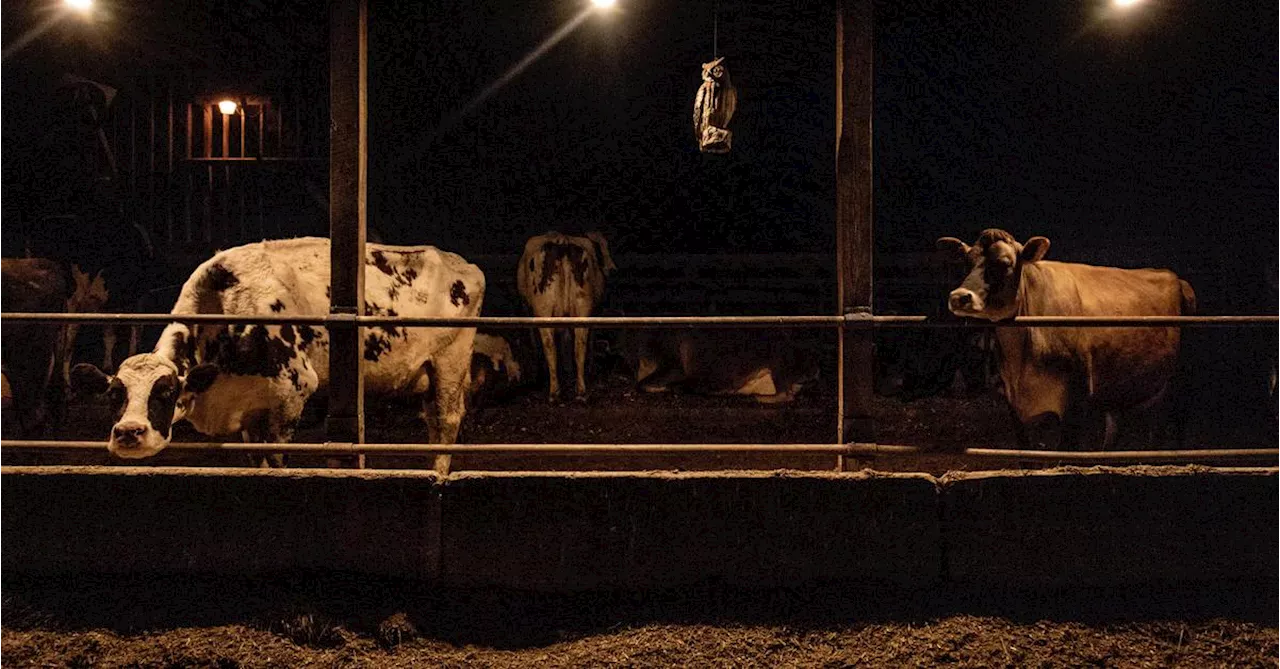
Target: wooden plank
column 206, row 115
column 226, row 134
column 348, row 74
column 168, row 178
column 854, row 241
column 262, row 124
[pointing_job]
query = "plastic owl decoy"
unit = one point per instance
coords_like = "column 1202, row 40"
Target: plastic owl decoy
column 713, row 108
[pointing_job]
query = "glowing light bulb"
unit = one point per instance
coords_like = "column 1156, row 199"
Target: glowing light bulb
column 227, row 107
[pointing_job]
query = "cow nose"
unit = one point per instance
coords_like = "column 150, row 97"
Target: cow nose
column 128, row 433
column 961, row 299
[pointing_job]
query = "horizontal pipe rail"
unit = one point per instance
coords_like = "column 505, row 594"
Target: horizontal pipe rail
column 856, row 450
column 334, row 448
column 1073, row 456
column 851, row 320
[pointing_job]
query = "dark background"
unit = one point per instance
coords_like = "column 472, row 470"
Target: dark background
column 1154, row 132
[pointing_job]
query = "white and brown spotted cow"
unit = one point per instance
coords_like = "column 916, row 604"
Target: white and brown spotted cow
column 562, row 275
column 1051, row 374
column 769, row 366
column 252, row 381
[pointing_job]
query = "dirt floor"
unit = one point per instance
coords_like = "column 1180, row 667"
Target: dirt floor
column 362, row 623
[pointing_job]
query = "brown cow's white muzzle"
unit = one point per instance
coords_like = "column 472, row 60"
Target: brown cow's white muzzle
column 964, row 302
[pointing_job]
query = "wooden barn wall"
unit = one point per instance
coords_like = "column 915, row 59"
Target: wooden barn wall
column 197, row 180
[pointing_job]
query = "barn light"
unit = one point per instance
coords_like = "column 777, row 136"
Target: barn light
column 79, row 5
column 1124, row 4
column 603, row 4
column 227, row 107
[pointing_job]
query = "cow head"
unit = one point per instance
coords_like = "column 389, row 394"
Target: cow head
column 990, row 289
column 147, row 396
column 602, row 252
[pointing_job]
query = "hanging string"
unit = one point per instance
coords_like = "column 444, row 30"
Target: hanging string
column 715, row 29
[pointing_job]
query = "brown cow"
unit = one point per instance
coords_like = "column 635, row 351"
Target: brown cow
column 768, row 366
column 562, row 275
column 1051, row 374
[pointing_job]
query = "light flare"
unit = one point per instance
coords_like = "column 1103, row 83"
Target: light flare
column 515, row 70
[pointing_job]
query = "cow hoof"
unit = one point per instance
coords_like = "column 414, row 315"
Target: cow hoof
column 580, row 398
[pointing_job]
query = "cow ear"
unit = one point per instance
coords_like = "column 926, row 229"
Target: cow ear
column 1034, row 249
column 201, row 377
column 953, row 245
column 89, row 380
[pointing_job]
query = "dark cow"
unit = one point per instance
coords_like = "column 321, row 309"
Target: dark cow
column 913, row 363
column 1273, row 375
column 32, row 353
column 1051, row 374
column 252, row 381
column 768, row 366
column 561, row 275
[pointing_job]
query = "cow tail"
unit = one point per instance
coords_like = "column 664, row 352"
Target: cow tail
column 1188, row 298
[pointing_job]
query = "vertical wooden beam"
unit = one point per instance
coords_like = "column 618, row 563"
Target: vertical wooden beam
column 206, row 113
column 226, row 134
column 153, row 218
column 348, row 76
column 168, row 175
column 854, row 218
column 262, row 119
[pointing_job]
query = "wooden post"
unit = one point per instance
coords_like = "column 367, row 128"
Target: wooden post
column 168, row 175
column 853, row 219
column 348, row 76
column 206, row 115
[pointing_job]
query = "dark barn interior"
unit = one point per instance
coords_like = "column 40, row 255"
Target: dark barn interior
column 1128, row 145
column 1132, row 137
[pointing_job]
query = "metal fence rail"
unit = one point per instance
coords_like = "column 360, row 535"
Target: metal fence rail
column 850, row 320
column 850, row 450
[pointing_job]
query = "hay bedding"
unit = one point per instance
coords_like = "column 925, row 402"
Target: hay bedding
column 353, row 621
column 957, row 640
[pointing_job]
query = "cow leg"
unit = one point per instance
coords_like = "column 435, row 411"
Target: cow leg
column 269, row 427
column 135, row 336
column 580, row 342
column 108, row 347
column 1109, row 433
column 548, row 336
column 1040, row 402
column 445, row 405
column 66, row 349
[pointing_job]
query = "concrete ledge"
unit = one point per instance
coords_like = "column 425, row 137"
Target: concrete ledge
column 744, row 529
column 1069, row 527
column 244, row 521
column 1110, row 525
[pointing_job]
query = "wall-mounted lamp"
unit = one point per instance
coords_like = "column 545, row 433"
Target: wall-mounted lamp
column 227, row 107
